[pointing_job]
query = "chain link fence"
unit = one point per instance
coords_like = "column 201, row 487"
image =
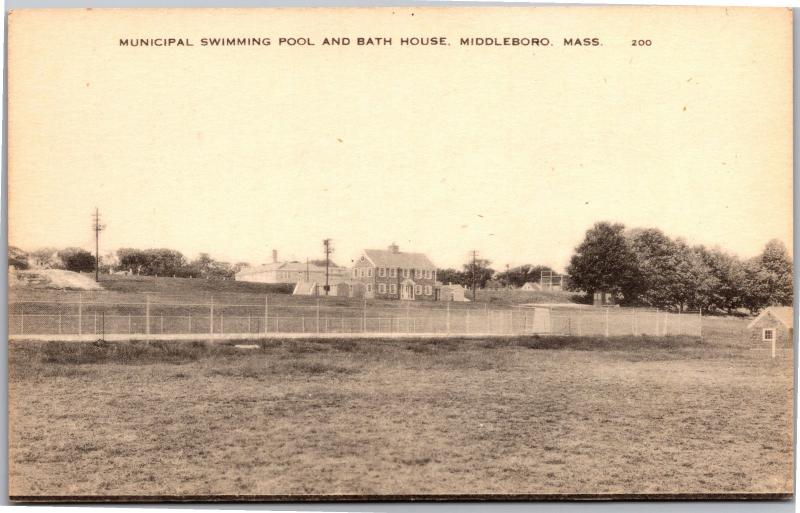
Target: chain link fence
column 94, row 316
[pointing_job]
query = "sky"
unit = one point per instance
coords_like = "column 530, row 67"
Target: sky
column 512, row 151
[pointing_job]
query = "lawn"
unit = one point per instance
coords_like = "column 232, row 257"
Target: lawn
column 456, row 416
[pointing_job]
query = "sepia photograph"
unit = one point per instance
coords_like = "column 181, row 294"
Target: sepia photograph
column 400, row 253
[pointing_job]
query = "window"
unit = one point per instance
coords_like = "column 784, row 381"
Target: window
column 393, row 273
column 393, row 288
column 369, row 272
column 382, row 288
column 382, row 272
column 369, row 287
column 355, row 273
column 769, row 334
column 428, row 290
column 405, row 273
column 416, row 273
column 428, row 274
column 418, row 290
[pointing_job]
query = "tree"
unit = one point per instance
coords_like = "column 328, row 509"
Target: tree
column 519, row 276
column 450, row 276
column 479, row 268
column 604, row 261
column 17, row 258
column 724, row 285
column 77, row 260
column 45, row 258
column 768, row 278
column 130, row 259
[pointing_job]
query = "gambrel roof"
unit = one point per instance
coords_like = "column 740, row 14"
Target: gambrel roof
column 784, row 314
column 403, row 260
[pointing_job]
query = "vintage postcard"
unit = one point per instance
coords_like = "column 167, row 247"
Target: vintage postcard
column 394, row 253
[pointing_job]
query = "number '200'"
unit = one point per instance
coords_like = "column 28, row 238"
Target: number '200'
column 641, row 42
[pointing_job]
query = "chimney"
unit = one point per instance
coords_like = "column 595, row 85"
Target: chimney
column 394, row 248
column 275, row 256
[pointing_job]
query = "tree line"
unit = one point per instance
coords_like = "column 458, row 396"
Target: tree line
column 514, row 277
column 645, row 267
column 145, row 262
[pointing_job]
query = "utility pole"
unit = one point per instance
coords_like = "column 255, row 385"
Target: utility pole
column 97, row 227
column 328, row 251
column 474, row 270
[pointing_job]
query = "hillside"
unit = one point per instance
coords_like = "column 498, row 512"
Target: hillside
column 188, row 286
column 518, row 296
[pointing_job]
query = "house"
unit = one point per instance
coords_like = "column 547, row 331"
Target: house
column 773, row 324
column 394, row 274
column 349, row 288
column 452, row 293
column 532, row 286
column 290, row 272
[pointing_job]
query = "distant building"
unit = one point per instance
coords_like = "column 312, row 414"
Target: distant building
column 394, row 274
column 290, row 272
column 531, row 285
column 452, row 293
column 352, row 288
column 775, row 323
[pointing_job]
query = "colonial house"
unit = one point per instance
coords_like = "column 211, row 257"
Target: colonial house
column 394, row 274
column 291, row 272
column 773, row 324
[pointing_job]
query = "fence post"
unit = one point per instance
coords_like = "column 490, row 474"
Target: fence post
column 249, row 324
column 633, row 322
column 22, row 320
column 364, row 319
column 211, row 318
column 59, row 323
column 147, row 315
column 80, row 314
column 304, row 323
column 580, row 324
column 317, row 315
column 266, row 313
column 666, row 320
column 95, row 322
column 161, row 329
column 448, row 317
column 222, row 322
column 488, row 319
column 130, row 318
column 679, row 322
column 701, row 321
column 466, row 329
column 606, row 322
column 773, row 345
column 408, row 317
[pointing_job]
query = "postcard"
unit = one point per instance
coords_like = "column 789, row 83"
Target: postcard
column 400, row 253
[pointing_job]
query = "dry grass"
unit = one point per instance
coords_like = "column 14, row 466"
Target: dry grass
column 517, row 415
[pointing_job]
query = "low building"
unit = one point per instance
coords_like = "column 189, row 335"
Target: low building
column 394, row 274
column 531, row 285
column 452, row 293
column 773, row 324
column 349, row 288
column 291, row 272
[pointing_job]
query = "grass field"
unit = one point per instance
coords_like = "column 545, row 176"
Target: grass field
column 518, row 415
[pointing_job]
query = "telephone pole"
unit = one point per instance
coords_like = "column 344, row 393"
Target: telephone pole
column 97, row 227
column 474, row 270
column 328, row 251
